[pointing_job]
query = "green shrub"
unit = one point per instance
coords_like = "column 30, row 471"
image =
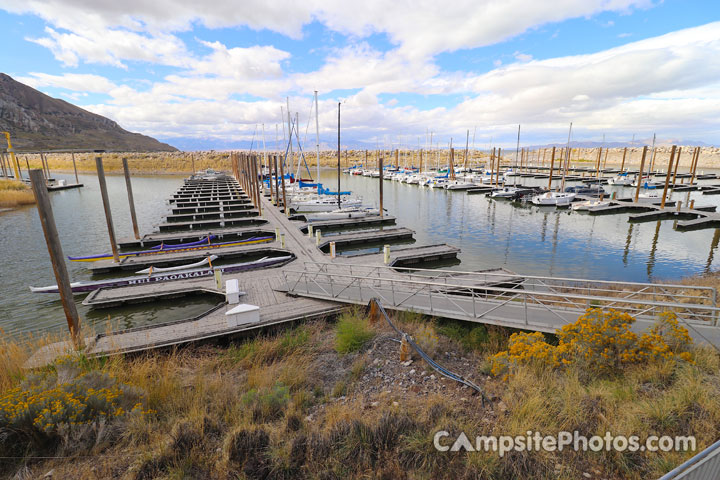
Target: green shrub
column 267, row 404
column 352, row 333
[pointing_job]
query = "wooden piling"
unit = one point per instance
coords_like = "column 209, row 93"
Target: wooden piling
column 128, row 184
column 286, row 209
column 552, row 166
column 622, row 166
column 451, row 167
column 677, row 163
column 694, row 164
column 277, row 181
column 498, row 159
column 667, row 176
column 597, row 163
column 257, row 165
column 106, row 206
column 57, row 258
column 2, row 164
column 640, row 174
column 380, row 168
column 77, row 182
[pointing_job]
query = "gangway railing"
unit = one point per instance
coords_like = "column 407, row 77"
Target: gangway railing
column 703, row 466
column 500, row 296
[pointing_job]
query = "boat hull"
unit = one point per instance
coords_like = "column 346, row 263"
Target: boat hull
column 85, row 287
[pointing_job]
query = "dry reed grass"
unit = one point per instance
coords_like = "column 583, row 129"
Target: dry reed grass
column 15, row 194
column 264, row 408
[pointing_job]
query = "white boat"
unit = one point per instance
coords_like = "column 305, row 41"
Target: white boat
column 338, row 214
column 553, row 198
column 437, row 183
column 622, row 179
column 458, row 185
column 504, row 192
column 590, row 204
column 357, row 171
column 325, row 204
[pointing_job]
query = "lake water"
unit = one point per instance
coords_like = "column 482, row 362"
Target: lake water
column 491, row 233
column 80, row 221
column 542, row 240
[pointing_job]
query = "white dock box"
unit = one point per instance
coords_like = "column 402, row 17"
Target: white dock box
column 232, row 291
column 242, row 314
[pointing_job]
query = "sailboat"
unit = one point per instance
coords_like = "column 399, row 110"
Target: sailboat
column 623, row 179
column 560, row 198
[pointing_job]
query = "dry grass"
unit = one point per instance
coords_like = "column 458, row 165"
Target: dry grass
column 268, row 408
column 15, row 194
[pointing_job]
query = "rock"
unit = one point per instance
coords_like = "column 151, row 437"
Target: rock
column 586, row 475
column 374, row 404
column 412, row 371
column 423, row 373
column 395, row 404
column 49, row 474
column 432, row 377
column 502, row 408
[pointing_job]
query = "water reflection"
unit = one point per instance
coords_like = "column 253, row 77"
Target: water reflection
column 544, row 241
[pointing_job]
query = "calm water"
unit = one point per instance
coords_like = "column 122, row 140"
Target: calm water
column 542, row 240
column 491, row 233
column 80, row 220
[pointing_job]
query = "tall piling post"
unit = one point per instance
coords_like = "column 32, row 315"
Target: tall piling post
column 257, row 171
column 667, row 176
column 106, row 206
column 622, row 165
column 277, row 182
column 282, row 183
column 640, row 173
column 677, row 164
column 77, row 182
column 380, row 168
column 131, row 201
column 57, row 258
column 694, row 164
column 552, row 167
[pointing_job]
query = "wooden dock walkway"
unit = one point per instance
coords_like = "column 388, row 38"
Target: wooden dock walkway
column 367, row 238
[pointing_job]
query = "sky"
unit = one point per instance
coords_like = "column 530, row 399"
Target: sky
column 216, row 75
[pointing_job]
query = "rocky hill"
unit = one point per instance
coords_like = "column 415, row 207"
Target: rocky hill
column 37, row 121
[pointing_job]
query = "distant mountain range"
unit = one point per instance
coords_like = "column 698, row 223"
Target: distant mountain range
column 39, row 122
column 637, row 143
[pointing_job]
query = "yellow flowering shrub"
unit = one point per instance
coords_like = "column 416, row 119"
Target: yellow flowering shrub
column 49, row 407
column 599, row 342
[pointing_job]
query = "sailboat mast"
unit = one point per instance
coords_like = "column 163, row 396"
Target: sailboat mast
column 264, row 149
column 517, row 149
column 317, row 138
column 338, row 158
column 567, row 159
column 289, row 129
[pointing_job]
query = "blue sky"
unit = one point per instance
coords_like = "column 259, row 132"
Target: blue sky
column 207, row 76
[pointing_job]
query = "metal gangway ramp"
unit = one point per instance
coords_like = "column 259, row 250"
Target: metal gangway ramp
column 500, row 297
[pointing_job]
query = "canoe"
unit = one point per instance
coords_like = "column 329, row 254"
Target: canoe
column 89, row 286
column 173, row 248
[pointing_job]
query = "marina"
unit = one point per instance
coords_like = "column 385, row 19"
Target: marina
column 303, row 247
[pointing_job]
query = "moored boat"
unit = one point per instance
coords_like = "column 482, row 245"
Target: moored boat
column 89, row 286
column 186, row 247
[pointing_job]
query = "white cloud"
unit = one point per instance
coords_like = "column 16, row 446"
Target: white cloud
column 110, row 32
column 77, row 82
